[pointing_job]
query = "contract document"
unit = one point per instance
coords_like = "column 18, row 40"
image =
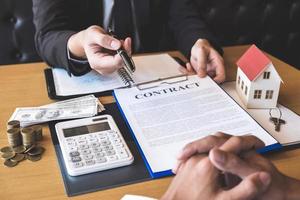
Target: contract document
column 165, row 118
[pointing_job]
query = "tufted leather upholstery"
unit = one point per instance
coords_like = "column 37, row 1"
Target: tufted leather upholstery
column 272, row 24
column 16, row 32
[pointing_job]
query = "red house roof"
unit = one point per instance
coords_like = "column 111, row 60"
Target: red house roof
column 253, row 62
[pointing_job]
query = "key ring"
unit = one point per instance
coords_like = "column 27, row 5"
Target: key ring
column 270, row 112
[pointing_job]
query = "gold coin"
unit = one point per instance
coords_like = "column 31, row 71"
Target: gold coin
column 6, row 149
column 10, row 163
column 38, row 129
column 36, row 151
column 8, row 155
column 34, row 158
column 13, row 131
column 27, row 130
column 19, row 149
column 13, row 124
column 18, row 158
column 29, row 148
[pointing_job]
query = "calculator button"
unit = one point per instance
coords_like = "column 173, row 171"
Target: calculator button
column 83, row 146
column 75, row 159
column 101, row 160
column 119, row 145
column 71, row 144
column 70, row 140
column 97, row 149
column 81, row 142
column 74, row 153
column 108, row 147
column 114, row 135
column 88, row 157
column 123, row 153
column 93, row 140
column 72, row 148
column 103, row 137
column 110, row 153
column 82, row 138
column 102, row 134
column 116, row 141
column 95, row 145
column 105, row 142
column 112, row 158
column 90, row 162
column 92, row 136
column 86, row 152
column 78, row 164
column 99, row 155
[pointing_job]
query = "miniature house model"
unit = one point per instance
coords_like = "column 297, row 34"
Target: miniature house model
column 257, row 82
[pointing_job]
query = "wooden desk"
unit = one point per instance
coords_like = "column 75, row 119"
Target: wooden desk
column 24, row 85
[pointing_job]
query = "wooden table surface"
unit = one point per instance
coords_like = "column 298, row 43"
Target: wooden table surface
column 24, row 85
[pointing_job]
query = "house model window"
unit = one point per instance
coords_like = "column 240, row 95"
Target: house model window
column 267, row 75
column 246, row 90
column 239, row 80
column 257, row 94
column 242, row 86
column 269, row 94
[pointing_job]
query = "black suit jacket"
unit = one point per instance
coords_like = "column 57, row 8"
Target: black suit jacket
column 162, row 24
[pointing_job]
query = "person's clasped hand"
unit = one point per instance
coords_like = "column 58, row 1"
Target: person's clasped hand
column 99, row 49
column 237, row 159
column 205, row 60
column 197, row 178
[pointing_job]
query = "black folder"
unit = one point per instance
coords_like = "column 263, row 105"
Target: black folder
column 53, row 95
column 52, row 92
column 134, row 173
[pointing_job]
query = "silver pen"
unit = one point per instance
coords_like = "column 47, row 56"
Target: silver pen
column 128, row 62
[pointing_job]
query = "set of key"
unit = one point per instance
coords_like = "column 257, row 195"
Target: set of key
column 277, row 121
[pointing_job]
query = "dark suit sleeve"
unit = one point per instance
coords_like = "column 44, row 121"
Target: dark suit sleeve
column 187, row 26
column 54, row 26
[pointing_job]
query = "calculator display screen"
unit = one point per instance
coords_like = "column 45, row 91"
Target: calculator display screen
column 81, row 130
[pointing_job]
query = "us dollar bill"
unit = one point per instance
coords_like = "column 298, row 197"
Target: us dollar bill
column 86, row 106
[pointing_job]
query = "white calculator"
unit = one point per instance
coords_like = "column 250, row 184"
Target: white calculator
column 92, row 144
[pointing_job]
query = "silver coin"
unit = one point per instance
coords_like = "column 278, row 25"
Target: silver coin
column 34, row 158
column 6, row 149
column 9, row 163
column 18, row 158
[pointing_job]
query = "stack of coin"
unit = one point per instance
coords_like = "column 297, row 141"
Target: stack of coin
column 14, row 137
column 12, row 156
column 7, row 154
column 38, row 129
column 13, row 124
column 28, row 136
column 22, row 144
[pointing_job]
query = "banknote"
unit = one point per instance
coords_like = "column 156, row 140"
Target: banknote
column 86, row 106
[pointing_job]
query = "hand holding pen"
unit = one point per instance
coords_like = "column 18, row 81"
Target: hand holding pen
column 128, row 62
column 99, row 49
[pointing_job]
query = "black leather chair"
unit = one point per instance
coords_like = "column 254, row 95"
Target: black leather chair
column 16, row 32
column 271, row 24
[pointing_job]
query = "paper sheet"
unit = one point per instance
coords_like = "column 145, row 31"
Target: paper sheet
column 166, row 118
column 91, row 82
column 289, row 132
column 148, row 68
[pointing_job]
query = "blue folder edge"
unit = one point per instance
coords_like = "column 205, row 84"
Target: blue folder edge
column 275, row 146
column 152, row 174
column 269, row 148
